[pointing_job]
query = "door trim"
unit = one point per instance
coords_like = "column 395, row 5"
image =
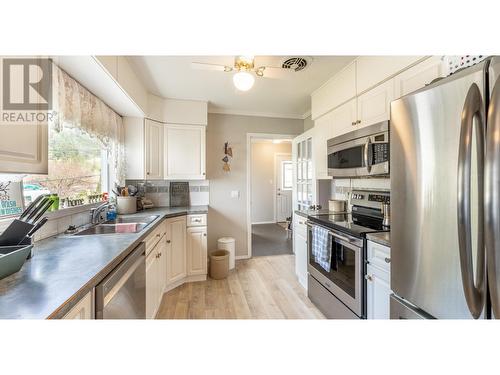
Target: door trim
column 251, row 136
column 275, row 186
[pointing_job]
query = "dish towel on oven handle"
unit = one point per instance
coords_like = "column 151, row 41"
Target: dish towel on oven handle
column 321, row 247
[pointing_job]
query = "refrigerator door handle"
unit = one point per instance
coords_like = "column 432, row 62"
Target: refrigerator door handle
column 474, row 291
column 492, row 198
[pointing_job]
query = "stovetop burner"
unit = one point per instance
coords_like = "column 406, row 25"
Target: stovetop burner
column 366, row 215
column 355, row 224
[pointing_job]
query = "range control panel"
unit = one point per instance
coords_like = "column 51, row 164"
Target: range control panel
column 382, row 198
column 367, row 198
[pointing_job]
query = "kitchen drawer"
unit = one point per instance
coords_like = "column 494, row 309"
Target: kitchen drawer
column 299, row 225
column 379, row 255
column 196, row 220
column 154, row 237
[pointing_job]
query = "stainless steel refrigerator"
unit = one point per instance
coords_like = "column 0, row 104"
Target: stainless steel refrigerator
column 445, row 197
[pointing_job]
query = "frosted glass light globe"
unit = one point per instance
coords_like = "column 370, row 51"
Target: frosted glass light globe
column 243, row 81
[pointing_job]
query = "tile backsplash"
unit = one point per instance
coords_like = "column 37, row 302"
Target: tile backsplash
column 158, row 191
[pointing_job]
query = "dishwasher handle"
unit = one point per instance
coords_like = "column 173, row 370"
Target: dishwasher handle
column 109, row 286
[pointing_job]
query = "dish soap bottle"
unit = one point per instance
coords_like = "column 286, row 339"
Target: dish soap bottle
column 111, row 214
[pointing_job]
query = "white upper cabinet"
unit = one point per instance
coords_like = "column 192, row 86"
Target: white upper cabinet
column 371, row 70
column 336, row 91
column 375, row 105
column 153, row 149
column 344, row 118
column 419, row 75
column 23, row 145
column 24, row 148
column 184, row 152
column 323, row 130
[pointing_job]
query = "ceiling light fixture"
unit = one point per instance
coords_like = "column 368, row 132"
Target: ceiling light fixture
column 243, row 80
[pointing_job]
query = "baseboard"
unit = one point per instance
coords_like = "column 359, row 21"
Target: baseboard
column 187, row 279
column 264, row 222
column 240, row 257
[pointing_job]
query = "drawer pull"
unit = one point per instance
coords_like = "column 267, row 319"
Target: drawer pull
column 168, row 241
column 387, row 260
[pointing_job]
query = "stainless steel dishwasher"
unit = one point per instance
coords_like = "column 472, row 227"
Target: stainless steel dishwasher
column 122, row 294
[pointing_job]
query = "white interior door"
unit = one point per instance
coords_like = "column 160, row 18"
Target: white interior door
column 284, row 180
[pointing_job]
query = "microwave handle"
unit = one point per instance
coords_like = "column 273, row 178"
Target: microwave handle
column 366, row 155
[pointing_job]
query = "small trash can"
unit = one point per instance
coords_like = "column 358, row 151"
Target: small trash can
column 219, row 264
column 227, row 243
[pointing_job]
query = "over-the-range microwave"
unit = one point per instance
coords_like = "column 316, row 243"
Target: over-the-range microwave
column 360, row 153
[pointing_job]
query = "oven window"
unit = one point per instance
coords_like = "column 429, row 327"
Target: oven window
column 343, row 268
column 348, row 158
column 345, row 275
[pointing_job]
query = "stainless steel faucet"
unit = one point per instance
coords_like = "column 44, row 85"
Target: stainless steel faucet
column 95, row 213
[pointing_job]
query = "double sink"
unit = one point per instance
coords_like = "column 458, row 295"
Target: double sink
column 119, row 225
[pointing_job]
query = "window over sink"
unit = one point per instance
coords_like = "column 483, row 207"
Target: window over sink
column 78, row 168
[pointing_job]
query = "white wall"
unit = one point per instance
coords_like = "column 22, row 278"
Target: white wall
column 262, row 172
column 227, row 216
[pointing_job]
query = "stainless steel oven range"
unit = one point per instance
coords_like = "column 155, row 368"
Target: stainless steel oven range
column 361, row 153
column 340, row 291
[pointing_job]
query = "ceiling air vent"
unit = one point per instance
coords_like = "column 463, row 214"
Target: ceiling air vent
column 295, row 63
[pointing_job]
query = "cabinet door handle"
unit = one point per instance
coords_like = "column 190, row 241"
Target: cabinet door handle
column 387, row 260
column 368, row 277
column 158, row 235
column 358, row 122
column 353, row 123
column 204, row 234
column 168, row 241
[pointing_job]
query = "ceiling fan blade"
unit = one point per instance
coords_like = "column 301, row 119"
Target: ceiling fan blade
column 206, row 66
column 275, row 72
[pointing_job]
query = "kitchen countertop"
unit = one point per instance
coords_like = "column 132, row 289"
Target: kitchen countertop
column 306, row 213
column 65, row 268
column 382, row 238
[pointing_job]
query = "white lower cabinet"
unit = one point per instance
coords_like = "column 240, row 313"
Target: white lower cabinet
column 196, row 246
column 152, row 287
column 156, row 269
column 300, row 249
column 83, row 309
column 378, row 281
column 378, row 293
column 176, row 249
column 176, row 253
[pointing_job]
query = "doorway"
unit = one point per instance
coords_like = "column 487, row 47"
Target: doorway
column 270, row 196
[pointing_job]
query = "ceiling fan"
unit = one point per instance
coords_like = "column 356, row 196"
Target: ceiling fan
column 246, row 70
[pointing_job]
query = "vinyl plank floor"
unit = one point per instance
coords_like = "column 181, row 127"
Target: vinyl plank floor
column 258, row 288
column 270, row 239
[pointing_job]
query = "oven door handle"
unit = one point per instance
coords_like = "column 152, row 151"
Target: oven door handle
column 333, row 234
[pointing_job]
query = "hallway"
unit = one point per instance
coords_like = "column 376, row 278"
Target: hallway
column 270, row 239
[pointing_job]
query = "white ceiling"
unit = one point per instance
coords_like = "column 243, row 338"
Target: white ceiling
column 286, row 96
